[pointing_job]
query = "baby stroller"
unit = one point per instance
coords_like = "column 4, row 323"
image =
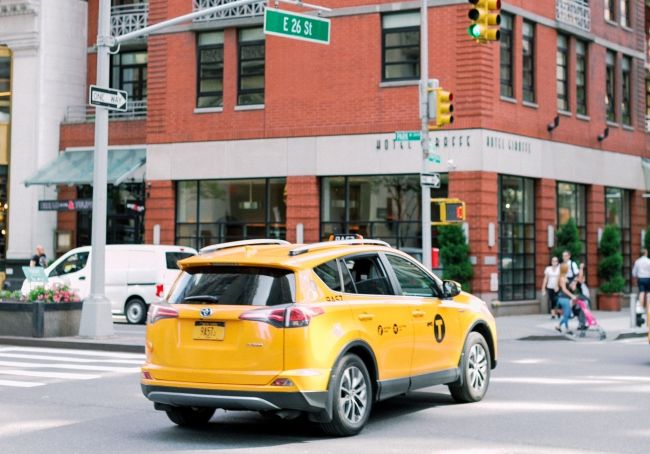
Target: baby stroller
column 586, row 319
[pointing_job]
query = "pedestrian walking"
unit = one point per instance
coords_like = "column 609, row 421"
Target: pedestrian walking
column 565, row 299
column 573, row 271
column 641, row 273
column 39, row 259
column 550, row 285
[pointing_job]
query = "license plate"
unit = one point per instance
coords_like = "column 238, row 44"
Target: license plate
column 209, row 330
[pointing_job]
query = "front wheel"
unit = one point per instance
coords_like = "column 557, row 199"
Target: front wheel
column 352, row 399
column 474, row 369
column 190, row 416
column 135, row 311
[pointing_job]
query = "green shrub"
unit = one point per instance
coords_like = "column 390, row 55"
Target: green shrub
column 454, row 255
column 8, row 295
column 568, row 239
column 610, row 267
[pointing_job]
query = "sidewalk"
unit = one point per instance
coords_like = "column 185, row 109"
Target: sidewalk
column 538, row 327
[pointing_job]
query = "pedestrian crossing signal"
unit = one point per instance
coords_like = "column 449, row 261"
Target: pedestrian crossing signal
column 447, row 211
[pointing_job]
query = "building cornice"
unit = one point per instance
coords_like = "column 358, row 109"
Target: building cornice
column 18, row 7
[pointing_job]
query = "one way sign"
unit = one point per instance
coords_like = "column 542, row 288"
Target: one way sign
column 108, row 97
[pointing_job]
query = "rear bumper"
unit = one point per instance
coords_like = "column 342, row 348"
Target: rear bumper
column 311, row 402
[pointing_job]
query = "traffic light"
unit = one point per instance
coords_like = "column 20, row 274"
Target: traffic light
column 485, row 19
column 447, row 211
column 444, row 107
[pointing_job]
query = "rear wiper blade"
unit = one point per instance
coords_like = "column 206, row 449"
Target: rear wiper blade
column 211, row 298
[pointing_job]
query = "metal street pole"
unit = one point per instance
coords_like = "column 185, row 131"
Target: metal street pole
column 424, row 76
column 96, row 316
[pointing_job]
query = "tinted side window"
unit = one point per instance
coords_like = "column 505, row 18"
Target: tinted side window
column 368, row 275
column 235, row 285
column 411, row 278
column 173, row 257
column 76, row 262
column 329, row 274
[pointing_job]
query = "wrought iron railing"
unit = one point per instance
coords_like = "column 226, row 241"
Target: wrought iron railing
column 128, row 18
column 80, row 114
column 250, row 10
column 574, row 12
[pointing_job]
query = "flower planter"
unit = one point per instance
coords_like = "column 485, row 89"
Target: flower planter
column 609, row 302
column 39, row 319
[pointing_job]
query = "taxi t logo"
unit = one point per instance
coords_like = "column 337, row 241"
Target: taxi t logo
column 438, row 328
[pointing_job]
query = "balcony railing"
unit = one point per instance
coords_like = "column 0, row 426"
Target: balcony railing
column 574, row 12
column 135, row 110
column 250, row 10
column 128, row 18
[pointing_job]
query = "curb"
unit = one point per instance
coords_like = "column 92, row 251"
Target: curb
column 547, row 337
column 630, row 335
column 80, row 345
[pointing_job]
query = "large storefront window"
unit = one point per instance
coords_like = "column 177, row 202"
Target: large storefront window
column 571, row 204
column 385, row 207
column 124, row 214
column 516, row 238
column 217, row 211
column 617, row 212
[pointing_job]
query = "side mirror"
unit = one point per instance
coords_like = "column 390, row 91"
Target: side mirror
column 450, row 288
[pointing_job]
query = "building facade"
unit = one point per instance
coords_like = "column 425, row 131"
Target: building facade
column 249, row 135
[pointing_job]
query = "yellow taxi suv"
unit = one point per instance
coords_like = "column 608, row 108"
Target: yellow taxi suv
column 324, row 329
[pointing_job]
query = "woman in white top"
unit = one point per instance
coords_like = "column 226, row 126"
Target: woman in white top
column 550, row 284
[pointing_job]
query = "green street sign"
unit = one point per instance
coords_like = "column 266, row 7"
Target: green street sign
column 296, row 26
column 405, row 136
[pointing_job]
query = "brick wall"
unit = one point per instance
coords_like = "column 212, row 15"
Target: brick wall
column 67, row 220
column 595, row 221
column 545, row 215
column 160, row 205
column 303, row 207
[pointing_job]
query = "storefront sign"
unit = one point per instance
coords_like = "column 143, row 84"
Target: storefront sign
column 506, row 143
column 65, row 205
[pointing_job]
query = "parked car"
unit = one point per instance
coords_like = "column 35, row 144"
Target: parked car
column 325, row 329
column 136, row 275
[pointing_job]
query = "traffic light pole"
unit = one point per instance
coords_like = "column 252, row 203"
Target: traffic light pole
column 424, row 77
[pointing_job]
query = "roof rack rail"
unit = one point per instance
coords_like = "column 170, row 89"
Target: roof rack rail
column 232, row 244
column 326, row 244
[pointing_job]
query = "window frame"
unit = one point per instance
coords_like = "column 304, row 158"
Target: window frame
column 610, row 86
column 626, row 90
column 562, row 52
column 241, row 45
column 139, row 84
column 506, row 86
column 582, row 60
column 609, row 11
column 578, row 191
column 528, row 90
column 384, row 50
column 199, row 79
column 624, row 13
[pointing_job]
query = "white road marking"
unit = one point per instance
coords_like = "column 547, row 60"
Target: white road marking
column 20, row 384
column 68, row 358
column 48, row 374
column 76, row 352
column 70, row 366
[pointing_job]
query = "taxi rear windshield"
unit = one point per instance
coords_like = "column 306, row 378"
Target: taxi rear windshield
column 234, row 285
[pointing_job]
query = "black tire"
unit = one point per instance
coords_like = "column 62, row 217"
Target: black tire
column 135, row 311
column 190, row 416
column 352, row 397
column 475, row 366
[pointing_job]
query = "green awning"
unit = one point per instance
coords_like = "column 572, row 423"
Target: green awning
column 76, row 167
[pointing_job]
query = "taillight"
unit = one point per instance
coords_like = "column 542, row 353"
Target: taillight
column 159, row 312
column 292, row 317
column 160, row 288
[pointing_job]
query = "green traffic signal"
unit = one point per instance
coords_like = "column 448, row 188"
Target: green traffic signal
column 474, row 31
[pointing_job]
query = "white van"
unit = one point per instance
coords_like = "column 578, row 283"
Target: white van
column 136, row 275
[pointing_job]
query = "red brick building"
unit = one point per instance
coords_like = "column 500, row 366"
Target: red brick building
column 250, row 135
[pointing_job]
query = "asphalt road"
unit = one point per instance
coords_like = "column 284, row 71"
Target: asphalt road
column 545, row 397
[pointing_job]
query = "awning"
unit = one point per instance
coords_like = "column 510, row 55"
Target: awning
column 76, row 167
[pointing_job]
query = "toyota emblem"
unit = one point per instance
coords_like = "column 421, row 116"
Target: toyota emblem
column 206, row 312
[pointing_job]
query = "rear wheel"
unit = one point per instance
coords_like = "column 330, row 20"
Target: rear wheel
column 190, row 416
column 135, row 311
column 474, row 369
column 352, row 397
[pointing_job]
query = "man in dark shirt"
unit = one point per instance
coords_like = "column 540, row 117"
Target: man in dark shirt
column 39, row 259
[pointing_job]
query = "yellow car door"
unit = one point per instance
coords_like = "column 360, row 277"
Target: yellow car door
column 383, row 319
column 437, row 343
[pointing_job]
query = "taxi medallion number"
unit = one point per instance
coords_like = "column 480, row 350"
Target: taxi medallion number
column 209, row 330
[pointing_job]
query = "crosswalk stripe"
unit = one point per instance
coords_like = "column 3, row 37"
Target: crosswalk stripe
column 20, row 384
column 69, row 366
column 48, row 374
column 68, row 358
column 76, row 352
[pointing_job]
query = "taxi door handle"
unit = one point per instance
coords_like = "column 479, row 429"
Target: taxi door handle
column 366, row 316
column 418, row 313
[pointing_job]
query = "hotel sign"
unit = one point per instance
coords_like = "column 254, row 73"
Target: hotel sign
column 65, row 205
